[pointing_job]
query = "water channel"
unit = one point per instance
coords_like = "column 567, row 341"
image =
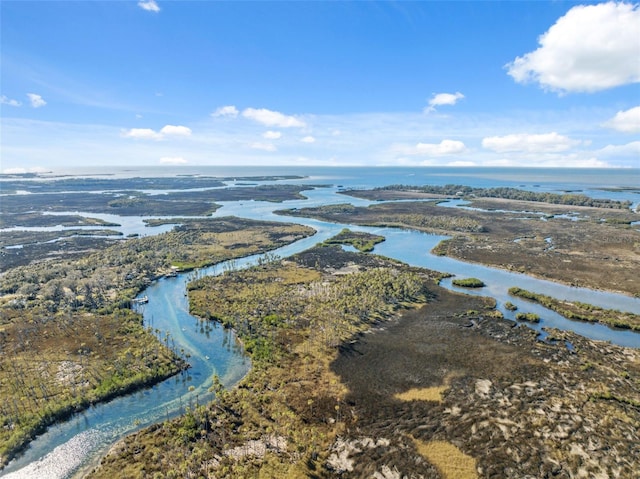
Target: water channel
column 73, row 447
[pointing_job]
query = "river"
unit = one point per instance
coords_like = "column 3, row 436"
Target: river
column 71, row 448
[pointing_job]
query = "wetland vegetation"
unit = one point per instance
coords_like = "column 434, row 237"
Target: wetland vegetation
column 293, row 316
column 582, row 311
column 68, row 336
column 468, row 283
column 363, row 242
column 463, row 191
column 339, row 341
column 575, row 245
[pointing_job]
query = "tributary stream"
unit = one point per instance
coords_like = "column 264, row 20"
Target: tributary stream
column 71, row 448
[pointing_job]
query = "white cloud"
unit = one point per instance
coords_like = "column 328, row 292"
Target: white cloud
column 165, row 131
column 263, row 146
column 380, row 139
column 149, row 5
column 462, row 163
column 175, row 130
column 36, row 100
column 172, row 160
column 142, row 133
column 590, row 48
column 9, row 101
column 532, row 143
column 21, row 171
column 629, row 150
column 445, row 147
column 308, row 139
column 626, row 121
column 439, row 99
column 272, row 118
column 226, row 111
column 271, row 135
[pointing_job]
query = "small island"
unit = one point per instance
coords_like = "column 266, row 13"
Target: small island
column 468, row 283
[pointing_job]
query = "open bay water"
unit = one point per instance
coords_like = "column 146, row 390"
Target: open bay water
column 71, row 448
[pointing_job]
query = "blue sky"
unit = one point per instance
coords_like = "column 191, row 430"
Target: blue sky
column 476, row 83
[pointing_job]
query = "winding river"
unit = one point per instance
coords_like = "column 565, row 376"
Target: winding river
column 73, row 447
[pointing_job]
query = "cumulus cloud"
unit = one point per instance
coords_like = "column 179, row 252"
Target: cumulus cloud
column 263, row 146
column 165, row 131
column 149, row 5
column 36, row 100
column 172, row 160
column 590, row 48
column 226, row 111
column 142, row 133
column 175, row 130
column 439, row 99
column 9, row 101
column 272, row 118
column 271, row 135
column 445, row 147
column 531, row 143
column 308, row 139
column 626, row 121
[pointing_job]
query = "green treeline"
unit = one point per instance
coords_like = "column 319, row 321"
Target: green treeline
column 513, row 194
column 582, row 311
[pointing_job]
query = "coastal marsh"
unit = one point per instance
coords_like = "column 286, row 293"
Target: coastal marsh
column 69, row 338
column 586, row 252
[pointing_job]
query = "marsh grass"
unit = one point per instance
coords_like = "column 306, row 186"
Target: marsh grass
column 468, row 283
column 433, row 394
column 582, row 311
column 292, row 320
column 450, row 461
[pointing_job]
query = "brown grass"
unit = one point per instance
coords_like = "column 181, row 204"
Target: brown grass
column 450, row 461
column 433, row 394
